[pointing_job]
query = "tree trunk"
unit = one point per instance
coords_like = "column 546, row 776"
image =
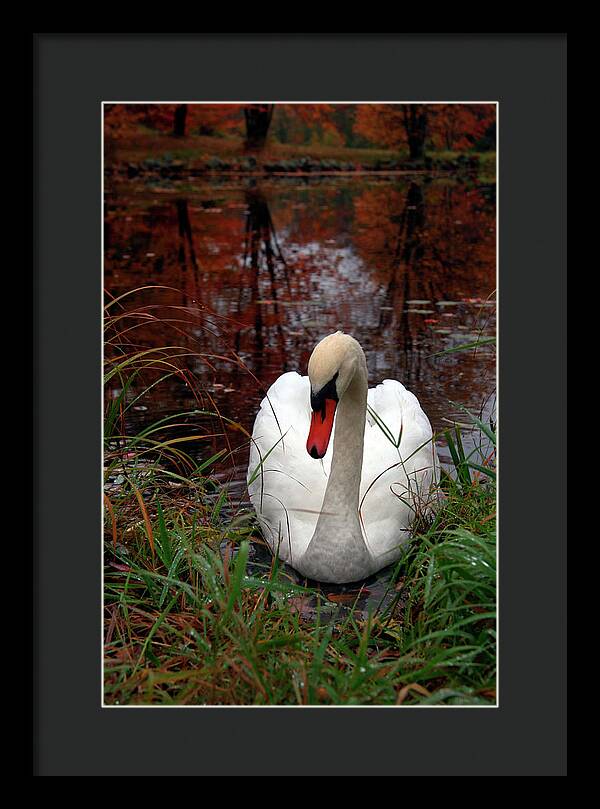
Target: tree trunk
column 415, row 124
column 179, row 119
column 258, row 119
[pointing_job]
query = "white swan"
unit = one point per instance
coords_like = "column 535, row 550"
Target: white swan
column 339, row 514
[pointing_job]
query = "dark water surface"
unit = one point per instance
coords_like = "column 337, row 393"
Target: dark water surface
column 263, row 269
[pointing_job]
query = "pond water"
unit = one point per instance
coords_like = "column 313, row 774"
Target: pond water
column 258, row 270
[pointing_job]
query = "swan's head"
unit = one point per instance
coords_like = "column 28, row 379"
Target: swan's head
column 331, row 368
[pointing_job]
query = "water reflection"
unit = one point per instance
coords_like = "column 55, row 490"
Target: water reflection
column 330, row 603
column 263, row 256
column 405, row 261
column 186, row 254
column 260, row 272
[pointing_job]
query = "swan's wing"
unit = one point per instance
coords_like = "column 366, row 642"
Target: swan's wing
column 285, row 484
column 399, row 466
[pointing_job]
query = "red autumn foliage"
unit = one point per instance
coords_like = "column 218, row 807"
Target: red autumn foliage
column 446, row 126
column 454, row 127
column 251, row 120
column 122, row 120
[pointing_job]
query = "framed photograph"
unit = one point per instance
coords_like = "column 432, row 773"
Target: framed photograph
column 292, row 310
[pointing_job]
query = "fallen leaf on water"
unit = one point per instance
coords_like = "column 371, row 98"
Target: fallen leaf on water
column 346, row 598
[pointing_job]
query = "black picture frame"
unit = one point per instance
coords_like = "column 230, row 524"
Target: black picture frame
column 72, row 75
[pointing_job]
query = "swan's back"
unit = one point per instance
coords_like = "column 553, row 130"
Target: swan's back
column 287, row 486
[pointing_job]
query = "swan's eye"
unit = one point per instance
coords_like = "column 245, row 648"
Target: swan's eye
column 328, row 391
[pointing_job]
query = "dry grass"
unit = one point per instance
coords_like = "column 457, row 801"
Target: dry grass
column 188, row 619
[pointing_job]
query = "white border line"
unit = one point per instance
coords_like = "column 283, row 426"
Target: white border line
column 293, row 707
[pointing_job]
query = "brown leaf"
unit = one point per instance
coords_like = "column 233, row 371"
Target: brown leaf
column 146, row 516
column 403, row 693
column 346, row 598
column 341, row 598
column 113, row 520
column 120, row 566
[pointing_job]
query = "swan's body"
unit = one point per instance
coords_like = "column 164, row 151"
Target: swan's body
column 339, row 513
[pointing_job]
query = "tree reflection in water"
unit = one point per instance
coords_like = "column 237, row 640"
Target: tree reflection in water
column 262, row 253
column 262, row 272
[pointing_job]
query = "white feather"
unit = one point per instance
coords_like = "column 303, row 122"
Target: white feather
column 287, row 485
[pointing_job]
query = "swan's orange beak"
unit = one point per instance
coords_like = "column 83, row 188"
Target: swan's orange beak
column 321, row 426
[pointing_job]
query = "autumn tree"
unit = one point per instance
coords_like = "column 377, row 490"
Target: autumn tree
column 123, row 120
column 446, row 126
column 179, row 120
column 316, row 118
column 458, row 126
column 414, row 119
column 296, row 122
column 306, row 123
column 395, row 126
column 258, row 120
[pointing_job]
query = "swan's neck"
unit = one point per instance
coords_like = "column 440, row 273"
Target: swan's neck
column 337, row 549
column 348, row 447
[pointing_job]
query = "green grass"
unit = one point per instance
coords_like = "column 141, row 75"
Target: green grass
column 196, row 148
column 188, row 621
column 151, row 149
column 186, row 626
